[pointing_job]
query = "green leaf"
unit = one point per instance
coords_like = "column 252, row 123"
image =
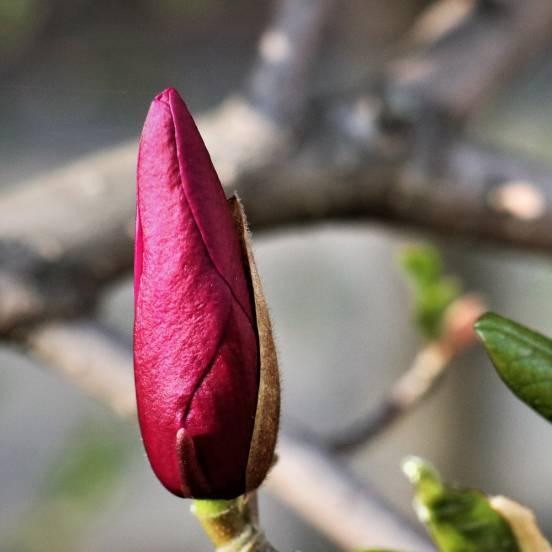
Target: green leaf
column 433, row 292
column 522, row 358
column 459, row 520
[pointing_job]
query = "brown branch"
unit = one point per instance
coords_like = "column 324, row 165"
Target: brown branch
column 305, row 477
column 65, row 234
column 468, row 191
column 250, row 133
column 420, row 380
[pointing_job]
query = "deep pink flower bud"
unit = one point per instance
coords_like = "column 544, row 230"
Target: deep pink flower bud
column 205, row 368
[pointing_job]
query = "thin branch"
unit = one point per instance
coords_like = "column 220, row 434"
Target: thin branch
column 312, row 483
column 426, row 372
column 420, row 380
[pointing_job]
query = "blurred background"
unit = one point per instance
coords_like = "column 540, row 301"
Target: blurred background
column 77, row 76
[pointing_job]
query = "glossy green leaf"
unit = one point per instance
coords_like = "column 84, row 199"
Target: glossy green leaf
column 459, row 520
column 523, row 359
column 433, row 292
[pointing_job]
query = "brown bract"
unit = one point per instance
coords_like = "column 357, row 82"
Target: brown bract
column 265, row 430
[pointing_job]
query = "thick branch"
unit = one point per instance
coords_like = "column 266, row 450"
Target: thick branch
column 305, row 477
column 468, row 191
column 64, row 234
column 67, row 233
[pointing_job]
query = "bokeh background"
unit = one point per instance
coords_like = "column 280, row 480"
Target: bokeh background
column 77, row 76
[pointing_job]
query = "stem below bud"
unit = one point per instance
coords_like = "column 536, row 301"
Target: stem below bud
column 229, row 525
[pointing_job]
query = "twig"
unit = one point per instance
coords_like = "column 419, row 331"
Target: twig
column 418, row 382
column 305, row 477
column 410, row 390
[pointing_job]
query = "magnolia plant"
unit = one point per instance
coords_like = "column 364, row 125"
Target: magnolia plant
column 206, row 371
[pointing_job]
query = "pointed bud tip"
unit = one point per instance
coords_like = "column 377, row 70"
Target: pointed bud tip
column 167, row 95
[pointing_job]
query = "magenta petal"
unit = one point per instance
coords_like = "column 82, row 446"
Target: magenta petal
column 195, row 345
column 207, row 201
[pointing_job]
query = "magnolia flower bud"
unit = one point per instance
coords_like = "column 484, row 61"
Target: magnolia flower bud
column 204, row 361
